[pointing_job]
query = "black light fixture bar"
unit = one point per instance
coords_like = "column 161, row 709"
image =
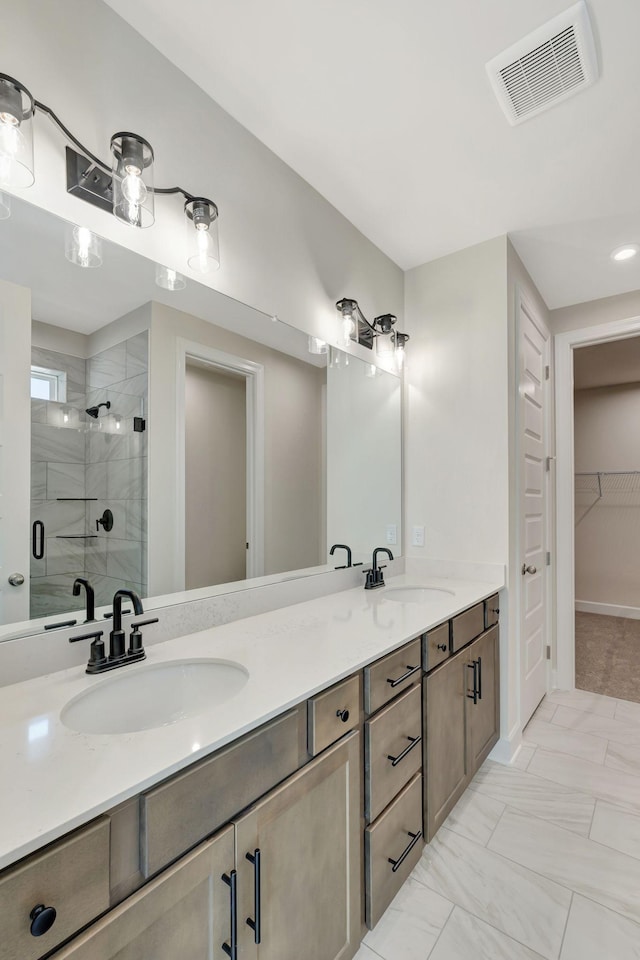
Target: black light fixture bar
column 88, row 177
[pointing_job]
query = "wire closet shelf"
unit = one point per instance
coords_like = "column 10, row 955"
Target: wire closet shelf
column 607, row 488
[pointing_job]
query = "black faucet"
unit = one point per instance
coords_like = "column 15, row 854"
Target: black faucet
column 341, row 546
column 116, row 637
column 91, row 598
column 375, row 577
column 118, row 656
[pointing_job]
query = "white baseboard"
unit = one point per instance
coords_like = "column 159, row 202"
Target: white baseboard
column 608, row 609
column 507, row 748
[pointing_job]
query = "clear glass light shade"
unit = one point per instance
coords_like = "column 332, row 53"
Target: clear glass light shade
column 16, row 135
column 317, row 346
column 5, row 206
column 132, row 169
column 169, row 279
column 203, row 245
column 400, row 343
column 347, row 321
column 82, row 247
column 385, row 346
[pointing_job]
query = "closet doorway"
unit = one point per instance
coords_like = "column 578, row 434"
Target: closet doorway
column 607, row 517
column 598, row 509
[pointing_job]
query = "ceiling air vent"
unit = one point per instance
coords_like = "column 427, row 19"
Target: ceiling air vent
column 547, row 66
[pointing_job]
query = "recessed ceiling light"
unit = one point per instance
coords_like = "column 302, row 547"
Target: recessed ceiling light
column 626, row 252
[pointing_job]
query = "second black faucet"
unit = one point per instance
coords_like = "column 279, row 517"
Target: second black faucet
column 375, row 576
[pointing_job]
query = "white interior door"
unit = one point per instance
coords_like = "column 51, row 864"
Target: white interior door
column 533, row 415
column 15, row 450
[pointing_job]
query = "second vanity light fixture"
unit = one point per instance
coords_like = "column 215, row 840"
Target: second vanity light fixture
column 354, row 326
column 125, row 187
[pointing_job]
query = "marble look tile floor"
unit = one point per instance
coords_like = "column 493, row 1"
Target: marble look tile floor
column 540, row 860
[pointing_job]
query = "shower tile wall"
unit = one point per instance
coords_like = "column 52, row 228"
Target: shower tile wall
column 75, row 456
column 116, row 468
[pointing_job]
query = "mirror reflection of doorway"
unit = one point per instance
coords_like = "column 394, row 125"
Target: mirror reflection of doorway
column 215, row 475
column 607, row 517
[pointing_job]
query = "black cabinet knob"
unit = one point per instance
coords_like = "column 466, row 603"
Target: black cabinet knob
column 42, row 919
column 443, row 647
column 343, row 714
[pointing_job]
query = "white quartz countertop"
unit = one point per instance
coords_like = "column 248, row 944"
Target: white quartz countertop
column 54, row 779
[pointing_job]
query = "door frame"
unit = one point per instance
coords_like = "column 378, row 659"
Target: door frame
column 565, row 343
column 523, row 302
column 253, row 374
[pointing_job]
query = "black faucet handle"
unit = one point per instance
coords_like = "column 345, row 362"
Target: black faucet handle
column 144, row 623
column 87, row 636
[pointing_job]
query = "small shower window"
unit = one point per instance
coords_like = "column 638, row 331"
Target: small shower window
column 48, row 384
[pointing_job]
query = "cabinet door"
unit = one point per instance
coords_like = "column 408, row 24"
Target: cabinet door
column 445, row 737
column 299, row 863
column 483, row 716
column 184, row 913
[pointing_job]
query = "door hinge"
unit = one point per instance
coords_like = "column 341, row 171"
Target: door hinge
column 246, row 546
column 548, row 652
column 547, row 373
column 548, row 558
column 548, row 461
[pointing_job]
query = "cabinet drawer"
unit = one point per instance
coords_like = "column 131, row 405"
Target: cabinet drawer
column 393, row 751
column 388, row 677
column 177, row 814
column 491, row 611
column 435, row 646
column 392, row 845
column 332, row 714
column 71, row 876
column 467, row 626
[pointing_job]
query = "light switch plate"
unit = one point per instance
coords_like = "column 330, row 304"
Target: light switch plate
column 392, row 534
column 417, row 536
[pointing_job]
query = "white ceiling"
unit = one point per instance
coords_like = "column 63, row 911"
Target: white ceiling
column 385, row 108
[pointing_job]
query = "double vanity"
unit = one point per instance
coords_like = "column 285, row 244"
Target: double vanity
column 258, row 789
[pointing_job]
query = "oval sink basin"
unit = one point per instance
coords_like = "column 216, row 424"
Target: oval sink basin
column 146, row 697
column 416, row 594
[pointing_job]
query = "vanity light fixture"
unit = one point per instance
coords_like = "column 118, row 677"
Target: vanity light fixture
column 355, row 327
column 169, row 279
column 203, row 251
column 82, row 247
column 123, row 187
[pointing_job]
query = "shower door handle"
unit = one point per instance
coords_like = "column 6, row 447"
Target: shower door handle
column 37, row 540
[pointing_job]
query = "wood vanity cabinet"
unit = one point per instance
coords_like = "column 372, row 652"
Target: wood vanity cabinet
column 183, row 913
column 393, row 837
column 461, row 715
column 282, row 881
column 299, row 865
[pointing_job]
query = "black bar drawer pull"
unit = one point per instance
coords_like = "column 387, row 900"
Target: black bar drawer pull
column 405, row 676
column 232, row 882
column 396, row 760
column 479, row 678
column 37, row 532
column 256, row 924
column 474, row 666
column 396, row 864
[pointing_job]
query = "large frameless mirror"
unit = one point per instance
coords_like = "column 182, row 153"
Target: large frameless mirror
column 159, row 435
